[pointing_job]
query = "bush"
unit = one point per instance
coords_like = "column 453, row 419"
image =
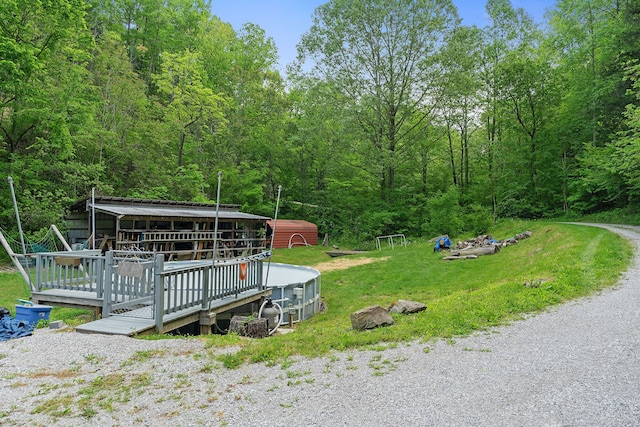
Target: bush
column 478, row 220
column 445, row 214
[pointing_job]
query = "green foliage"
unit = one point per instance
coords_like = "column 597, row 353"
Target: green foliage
column 444, row 214
column 477, row 219
column 150, row 98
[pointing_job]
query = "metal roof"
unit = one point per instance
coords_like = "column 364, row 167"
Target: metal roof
column 174, row 212
column 84, row 204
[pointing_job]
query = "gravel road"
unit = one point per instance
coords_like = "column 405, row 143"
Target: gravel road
column 575, row 365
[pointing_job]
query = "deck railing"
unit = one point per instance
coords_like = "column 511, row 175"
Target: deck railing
column 127, row 280
column 70, row 270
column 128, row 285
column 202, row 284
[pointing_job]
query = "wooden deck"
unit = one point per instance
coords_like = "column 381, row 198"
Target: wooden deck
column 69, row 298
column 134, row 295
column 140, row 322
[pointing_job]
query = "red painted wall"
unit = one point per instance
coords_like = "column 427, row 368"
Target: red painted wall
column 293, row 230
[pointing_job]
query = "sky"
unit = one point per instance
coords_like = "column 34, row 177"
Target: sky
column 286, row 20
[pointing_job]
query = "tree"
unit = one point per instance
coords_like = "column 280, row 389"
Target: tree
column 594, row 40
column 44, row 99
column 461, row 80
column 519, row 97
column 381, row 55
column 193, row 111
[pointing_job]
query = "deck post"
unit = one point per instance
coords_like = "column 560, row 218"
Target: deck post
column 98, row 271
column 259, row 267
column 158, row 292
column 38, row 283
column 107, row 285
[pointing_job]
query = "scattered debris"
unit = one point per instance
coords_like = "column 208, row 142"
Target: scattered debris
column 487, row 240
column 374, row 316
column 456, row 257
column 478, row 250
column 483, row 245
column 478, row 242
column 534, row 283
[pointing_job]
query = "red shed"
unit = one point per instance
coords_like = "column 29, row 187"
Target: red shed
column 292, row 232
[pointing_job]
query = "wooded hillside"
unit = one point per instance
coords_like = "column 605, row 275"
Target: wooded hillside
column 398, row 119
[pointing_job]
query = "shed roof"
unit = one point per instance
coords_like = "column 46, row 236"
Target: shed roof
column 85, row 204
column 120, row 206
column 174, row 212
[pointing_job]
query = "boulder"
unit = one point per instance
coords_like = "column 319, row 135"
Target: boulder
column 370, row 317
column 407, row 307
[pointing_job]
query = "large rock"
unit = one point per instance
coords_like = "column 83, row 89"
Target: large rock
column 407, row 307
column 370, row 317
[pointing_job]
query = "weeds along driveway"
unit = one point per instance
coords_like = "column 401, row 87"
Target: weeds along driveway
column 577, row 364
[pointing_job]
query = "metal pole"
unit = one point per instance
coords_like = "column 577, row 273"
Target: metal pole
column 215, row 238
column 24, row 247
column 273, row 233
column 93, row 218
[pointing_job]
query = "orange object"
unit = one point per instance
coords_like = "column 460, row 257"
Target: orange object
column 243, row 271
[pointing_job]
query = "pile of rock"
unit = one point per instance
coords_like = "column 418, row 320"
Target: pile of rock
column 477, row 242
column 483, row 245
column 375, row 316
column 487, row 240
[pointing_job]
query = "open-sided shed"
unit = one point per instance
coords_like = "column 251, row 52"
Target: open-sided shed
column 180, row 230
column 292, row 232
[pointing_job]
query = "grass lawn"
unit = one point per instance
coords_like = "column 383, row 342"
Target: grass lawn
column 568, row 261
column 461, row 296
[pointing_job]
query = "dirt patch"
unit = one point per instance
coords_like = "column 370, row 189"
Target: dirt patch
column 344, row 263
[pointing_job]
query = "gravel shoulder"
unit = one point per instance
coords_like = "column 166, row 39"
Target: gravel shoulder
column 574, row 365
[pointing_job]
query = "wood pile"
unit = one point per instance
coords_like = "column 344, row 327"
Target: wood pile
column 483, row 245
column 487, row 240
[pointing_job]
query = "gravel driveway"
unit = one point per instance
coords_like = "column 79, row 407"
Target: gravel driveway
column 575, row 365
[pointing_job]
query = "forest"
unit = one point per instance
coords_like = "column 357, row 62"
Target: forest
column 395, row 118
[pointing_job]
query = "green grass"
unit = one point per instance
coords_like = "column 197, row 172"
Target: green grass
column 566, row 261
column 462, row 296
column 13, row 288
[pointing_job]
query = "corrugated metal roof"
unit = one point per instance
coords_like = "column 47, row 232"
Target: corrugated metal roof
column 174, row 212
column 84, row 204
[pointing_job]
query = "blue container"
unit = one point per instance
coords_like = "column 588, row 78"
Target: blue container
column 33, row 313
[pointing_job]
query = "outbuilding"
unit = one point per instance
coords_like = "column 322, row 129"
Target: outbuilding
column 292, row 232
column 180, row 230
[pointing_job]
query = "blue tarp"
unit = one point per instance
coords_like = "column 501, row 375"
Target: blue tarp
column 14, row 328
column 442, row 243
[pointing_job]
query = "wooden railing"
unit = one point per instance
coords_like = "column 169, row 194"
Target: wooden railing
column 203, row 283
column 127, row 281
column 70, row 270
column 177, row 236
